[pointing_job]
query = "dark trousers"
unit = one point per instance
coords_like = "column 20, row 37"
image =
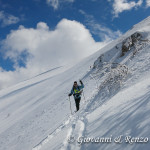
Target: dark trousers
column 77, row 103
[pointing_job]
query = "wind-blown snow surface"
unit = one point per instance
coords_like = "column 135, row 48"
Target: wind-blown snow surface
column 35, row 114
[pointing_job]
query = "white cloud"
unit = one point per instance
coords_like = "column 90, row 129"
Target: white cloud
column 8, row 19
column 104, row 33
column 70, row 41
column 123, row 5
column 42, row 26
column 55, row 3
column 148, row 3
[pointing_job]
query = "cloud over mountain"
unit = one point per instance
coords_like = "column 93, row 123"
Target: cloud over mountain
column 40, row 48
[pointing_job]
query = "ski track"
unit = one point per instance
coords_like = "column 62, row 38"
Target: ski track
column 52, row 134
column 73, row 122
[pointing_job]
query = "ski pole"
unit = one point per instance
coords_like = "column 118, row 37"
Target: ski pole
column 70, row 105
column 83, row 95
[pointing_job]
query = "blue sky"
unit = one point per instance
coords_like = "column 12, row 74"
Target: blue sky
column 96, row 21
column 30, row 12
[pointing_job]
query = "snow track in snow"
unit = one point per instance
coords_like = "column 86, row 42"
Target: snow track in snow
column 76, row 124
column 52, row 134
column 77, row 129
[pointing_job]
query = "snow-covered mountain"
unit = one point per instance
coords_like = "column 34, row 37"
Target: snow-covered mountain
column 114, row 110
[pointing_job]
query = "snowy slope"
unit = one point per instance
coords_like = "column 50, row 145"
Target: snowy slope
column 35, row 114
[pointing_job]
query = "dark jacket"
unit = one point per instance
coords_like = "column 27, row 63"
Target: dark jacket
column 76, row 91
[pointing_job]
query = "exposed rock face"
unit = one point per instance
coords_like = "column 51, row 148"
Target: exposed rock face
column 98, row 62
column 130, row 42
